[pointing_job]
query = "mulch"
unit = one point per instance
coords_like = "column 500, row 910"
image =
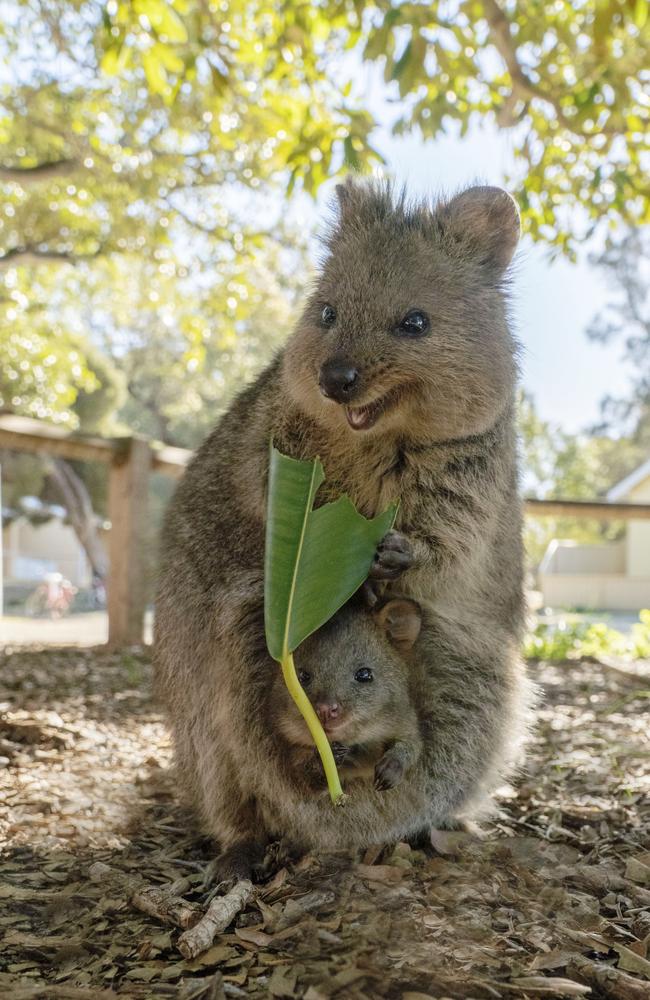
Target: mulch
column 555, row 901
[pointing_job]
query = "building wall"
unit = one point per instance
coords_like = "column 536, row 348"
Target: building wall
column 638, row 534
column 593, row 576
column 32, row 550
column 598, row 592
column 566, row 556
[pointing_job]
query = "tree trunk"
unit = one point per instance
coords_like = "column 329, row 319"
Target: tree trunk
column 76, row 500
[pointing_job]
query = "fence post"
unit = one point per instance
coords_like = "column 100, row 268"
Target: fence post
column 127, row 508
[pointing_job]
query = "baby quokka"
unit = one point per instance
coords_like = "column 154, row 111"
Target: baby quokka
column 358, row 675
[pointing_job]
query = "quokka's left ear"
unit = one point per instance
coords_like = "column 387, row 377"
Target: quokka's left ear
column 401, row 620
column 481, row 225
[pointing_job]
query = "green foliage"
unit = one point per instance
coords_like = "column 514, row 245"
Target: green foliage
column 566, row 77
column 579, row 640
column 43, row 363
column 185, row 347
column 95, row 407
column 22, row 475
column 124, row 131
column 641, row 636
column 123, row 113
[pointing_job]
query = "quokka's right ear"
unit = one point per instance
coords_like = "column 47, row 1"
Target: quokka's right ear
column 481, row 225
column 401, row 620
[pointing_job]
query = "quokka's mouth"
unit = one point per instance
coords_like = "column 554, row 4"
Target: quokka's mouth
column 334, row 725
column 362, row 418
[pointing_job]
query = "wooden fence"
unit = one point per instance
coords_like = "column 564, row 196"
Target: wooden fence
column 132, row 459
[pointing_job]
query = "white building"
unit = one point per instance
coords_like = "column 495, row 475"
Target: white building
column 613, row 576
column 31, row 550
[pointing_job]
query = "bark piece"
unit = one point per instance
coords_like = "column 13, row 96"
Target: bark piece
column 219, row 914
column 166, row 906
column 611, row 982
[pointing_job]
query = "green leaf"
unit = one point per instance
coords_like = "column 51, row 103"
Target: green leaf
column 155, row 72
column 114, row 60
column 315, row 559
column 641, row 13
column 350, row 155
column 403, row 61
column 163, row 19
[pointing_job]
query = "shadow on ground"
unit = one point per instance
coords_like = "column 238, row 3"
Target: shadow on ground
column 553, row 903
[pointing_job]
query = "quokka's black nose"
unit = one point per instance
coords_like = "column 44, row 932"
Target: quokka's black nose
column 338, row 380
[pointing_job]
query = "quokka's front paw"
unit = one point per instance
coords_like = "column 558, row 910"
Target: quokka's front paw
column 340, row 753
column 313, row 769
column 388, row 772
column 394, row 555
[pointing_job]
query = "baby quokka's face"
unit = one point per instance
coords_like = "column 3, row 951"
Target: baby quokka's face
column 405, row 332
column 349, row 700
column 354, row 673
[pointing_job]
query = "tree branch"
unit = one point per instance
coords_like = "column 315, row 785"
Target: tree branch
column 40, row 172
column 30, row 254
column 78, row 504
column 522, row 84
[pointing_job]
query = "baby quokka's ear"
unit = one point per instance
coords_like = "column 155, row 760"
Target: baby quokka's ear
column 481, row 225
column 401, row 620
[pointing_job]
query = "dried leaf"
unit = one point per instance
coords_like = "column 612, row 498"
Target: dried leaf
column 553, row 986
column 638, row 871
column 386, row 874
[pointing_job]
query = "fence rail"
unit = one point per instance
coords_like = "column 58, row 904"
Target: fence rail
column 131, row 461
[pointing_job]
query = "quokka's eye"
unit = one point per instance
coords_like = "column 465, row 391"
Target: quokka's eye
column 328, row 315
column 415, row 324
column 304, row 677
column 364, row 675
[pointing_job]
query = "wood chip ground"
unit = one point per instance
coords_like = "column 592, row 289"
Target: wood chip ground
column 555, row 902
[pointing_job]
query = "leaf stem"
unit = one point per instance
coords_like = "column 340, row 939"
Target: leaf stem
column 318, row 735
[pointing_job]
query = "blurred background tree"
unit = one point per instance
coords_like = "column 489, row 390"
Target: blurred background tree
column 125, row 110
column 142, row 279
column 625, row 262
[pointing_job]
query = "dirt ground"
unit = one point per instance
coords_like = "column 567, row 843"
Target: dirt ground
column 555, row 902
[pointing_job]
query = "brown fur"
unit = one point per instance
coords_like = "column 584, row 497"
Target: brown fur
column 444, row 444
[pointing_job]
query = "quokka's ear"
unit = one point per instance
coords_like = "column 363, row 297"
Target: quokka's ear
column 401, row 620
column 482, row 225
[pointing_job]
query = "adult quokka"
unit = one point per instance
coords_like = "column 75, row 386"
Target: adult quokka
column 400, row 375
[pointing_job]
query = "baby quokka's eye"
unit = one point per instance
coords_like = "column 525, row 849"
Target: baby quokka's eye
column 304, row 677
column 364, row 675
column 328, row 315
column 414, row 324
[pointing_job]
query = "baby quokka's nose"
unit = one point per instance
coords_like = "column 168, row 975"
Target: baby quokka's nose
column 338, row 380
column 329, row 712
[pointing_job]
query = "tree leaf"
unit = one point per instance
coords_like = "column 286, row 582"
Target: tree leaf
column 315, row 559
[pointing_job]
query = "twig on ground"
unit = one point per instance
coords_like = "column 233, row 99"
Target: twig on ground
column 50, row 991
column 164, row 902
column 220, row 913
column 611, row 982
column 164, row 905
